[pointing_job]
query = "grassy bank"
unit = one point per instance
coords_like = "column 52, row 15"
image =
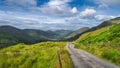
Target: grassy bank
column 41, row 55
column 104, row 43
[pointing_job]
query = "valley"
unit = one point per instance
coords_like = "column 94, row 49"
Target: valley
column 10, row 35
column 59, row 33
column 30, row 48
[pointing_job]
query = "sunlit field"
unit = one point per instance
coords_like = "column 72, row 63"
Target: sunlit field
column 40, row 55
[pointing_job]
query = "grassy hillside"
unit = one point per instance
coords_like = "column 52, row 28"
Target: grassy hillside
column 50, row 35
column 79, row 32
column 62, row 34
column 11, row 35
column 76, row 33
column 40, row 34
column 41, row 55
column 104, row 43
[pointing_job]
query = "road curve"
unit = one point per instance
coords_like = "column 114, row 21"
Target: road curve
column 82, row 59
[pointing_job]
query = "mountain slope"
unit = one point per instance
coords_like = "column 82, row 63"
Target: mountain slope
column 50, row 35
column 39, row 33
column 106, row 23
column 77, row 32
column 10, row 35
column 62, row 33
column 103, row 42
column 102, row 25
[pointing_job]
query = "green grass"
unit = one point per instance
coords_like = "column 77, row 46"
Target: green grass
column 41, row 55
column 104, row 43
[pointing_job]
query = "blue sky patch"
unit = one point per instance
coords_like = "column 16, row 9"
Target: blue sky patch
column 41, row 2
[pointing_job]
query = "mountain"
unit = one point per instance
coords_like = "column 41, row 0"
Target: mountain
column 50, row 35
column 102, row 25
column 61, row 34
column 10, row 35
column 106, row 23
column 77, row 32
column 39, row 33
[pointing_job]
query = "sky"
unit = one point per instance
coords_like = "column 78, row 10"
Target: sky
column 57, row 14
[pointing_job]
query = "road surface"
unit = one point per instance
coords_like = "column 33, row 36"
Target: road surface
column 82, row 59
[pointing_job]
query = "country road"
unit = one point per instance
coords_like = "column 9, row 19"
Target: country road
column 82, row 59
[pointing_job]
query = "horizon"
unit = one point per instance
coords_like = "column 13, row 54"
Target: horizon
column 38, row 29
column 57, row 14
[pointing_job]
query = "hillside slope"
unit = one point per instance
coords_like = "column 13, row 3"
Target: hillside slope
column 48, row 35
column 106, row 23
column 104, row 43
column 39, row 33
column 62, row 33
column 102, row 25
column 10, row 35
column 76, row 33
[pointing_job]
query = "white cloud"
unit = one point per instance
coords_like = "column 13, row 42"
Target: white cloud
column 57, row 2
column 55, row 14
column 58, row 8
column 34, row 21
column 103, row 17
column 103, row 5
column 21, row 2
column 74, row 10
column 107, row 3
column 87, row 13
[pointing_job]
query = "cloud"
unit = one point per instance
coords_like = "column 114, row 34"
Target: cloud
column 55, row 14
column 87, row 13
column 104, row 17
column 34, row 21
column 21, row 2
column 107, row 3
column 74, row 10
column 57, row 2
column 58, row 8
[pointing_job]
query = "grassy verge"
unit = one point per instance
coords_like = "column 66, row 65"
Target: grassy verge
column 107, row 52
column 64, row 57
column 41, row 55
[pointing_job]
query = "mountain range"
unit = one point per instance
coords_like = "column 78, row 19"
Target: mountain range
column 102, row 25
column 10, row 35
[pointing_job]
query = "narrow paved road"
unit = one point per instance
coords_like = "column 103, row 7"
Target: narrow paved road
column 82, row 59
